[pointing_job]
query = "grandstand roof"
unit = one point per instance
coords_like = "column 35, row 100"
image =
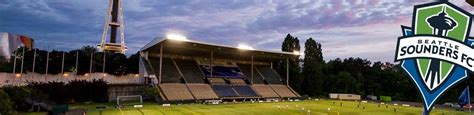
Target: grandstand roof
column 200, row 49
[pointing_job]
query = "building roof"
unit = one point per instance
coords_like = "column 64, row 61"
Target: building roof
column 201, row 49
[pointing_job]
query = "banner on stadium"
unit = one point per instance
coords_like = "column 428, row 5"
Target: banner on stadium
column 435, row 52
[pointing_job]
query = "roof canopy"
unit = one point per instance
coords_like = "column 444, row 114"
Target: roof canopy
column 200, row 49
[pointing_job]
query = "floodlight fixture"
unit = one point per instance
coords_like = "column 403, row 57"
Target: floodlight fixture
column 245, row 47
column 296, row 52
column 178, row 37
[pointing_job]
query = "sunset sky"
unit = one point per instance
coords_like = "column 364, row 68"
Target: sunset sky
column 345, row 28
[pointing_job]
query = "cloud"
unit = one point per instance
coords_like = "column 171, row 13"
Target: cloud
column 346, row 28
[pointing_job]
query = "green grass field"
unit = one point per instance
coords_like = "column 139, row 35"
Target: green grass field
column 316, row 108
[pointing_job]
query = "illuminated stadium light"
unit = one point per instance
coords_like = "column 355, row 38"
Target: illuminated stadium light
column 296, row 52
column 17, row 75
column 245, row 47
column 178, row 37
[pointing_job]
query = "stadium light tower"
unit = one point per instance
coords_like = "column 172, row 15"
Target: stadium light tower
column 114, row 20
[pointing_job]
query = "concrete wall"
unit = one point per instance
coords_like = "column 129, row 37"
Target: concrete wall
column 349, row 97
column 124, row 90
column 344, row 96
column 12, row 79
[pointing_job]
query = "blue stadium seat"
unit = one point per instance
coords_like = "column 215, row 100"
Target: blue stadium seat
column 224, row 91
column 245, row 91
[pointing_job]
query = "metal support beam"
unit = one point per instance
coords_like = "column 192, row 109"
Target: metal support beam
column 287, row 71
column 103, row 63
column 211, row 61
column 251, row 75
column 161, row 64
column 22, row 60
column 90, row 64
column 47, row 63
column 62, row 64
column 14, row 61
column 34, row 61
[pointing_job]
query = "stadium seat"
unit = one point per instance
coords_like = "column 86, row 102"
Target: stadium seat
column 264, row 90
column 170, row 73
column 283, row 91
column 269, row 74
column 217, row 81
column 237, row 81
column 224, row 91
column 202, row 91
column 247, row 70
column 176, row 91
column 245, row 91
column 190, row 71
column 222, row 71
column 147, row 65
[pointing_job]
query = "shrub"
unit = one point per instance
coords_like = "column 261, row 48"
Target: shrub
column 6, row 104
column 74, row 91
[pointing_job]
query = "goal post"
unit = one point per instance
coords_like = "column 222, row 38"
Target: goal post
column 130, row 100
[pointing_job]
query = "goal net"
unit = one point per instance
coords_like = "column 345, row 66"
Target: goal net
column 130, row 100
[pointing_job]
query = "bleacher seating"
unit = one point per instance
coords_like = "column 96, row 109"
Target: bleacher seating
column 147, row 65
column 224, row 91
column 216, row 81
column 190, row 71
column 202, row 91
column 170, row 73
column 283, row 91
column 176, row 91
column 222, row 71
column 271, row 76
column 264, row 90
column 247, row 70
column 237, row 81
column 225, row 85
column 245, row 91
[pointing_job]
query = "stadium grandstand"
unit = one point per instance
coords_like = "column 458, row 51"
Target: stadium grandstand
column 186, row 70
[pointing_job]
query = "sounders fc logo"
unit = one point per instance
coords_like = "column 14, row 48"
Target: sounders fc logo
column 435, row 52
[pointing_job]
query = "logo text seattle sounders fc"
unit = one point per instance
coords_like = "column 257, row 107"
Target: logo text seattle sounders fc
column 436, row 50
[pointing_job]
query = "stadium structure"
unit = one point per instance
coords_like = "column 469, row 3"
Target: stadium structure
column 186, row 70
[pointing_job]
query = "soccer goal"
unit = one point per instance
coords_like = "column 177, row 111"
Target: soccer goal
column 130, row 100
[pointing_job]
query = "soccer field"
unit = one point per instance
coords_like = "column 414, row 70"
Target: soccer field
column 315, row 107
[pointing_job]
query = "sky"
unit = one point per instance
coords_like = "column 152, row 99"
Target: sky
column 346, row 28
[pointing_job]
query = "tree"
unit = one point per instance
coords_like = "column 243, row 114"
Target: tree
column 312, row 68
column 132, row 63
column 116, row 64
column 291, row 44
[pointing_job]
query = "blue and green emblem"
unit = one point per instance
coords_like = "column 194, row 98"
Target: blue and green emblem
column 435, row 51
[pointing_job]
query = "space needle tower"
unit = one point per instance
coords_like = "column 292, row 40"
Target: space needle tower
column 441, row 25
column 114, row 22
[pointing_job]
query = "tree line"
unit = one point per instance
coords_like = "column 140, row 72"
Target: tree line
column 317, row 78
column 116, row 63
